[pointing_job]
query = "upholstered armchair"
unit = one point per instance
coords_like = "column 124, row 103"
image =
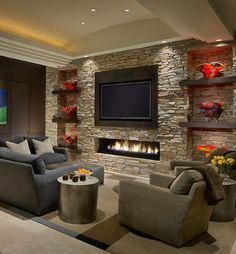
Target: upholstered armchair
column 154, row 210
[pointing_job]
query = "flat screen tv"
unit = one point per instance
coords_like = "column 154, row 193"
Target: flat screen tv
column 3, row 106
column 126, row 101
column 127, row 97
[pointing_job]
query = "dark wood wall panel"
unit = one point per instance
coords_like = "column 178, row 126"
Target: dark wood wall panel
column 25, row 83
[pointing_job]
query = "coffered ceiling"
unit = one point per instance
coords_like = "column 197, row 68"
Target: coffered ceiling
column 56, row 31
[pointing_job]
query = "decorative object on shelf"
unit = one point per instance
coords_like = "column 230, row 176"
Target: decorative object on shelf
column 71, row 139
column 71, row 111
column 71, row 85
column 211, row 109
column 223, row 164
column 207, row 149
column 211, row 70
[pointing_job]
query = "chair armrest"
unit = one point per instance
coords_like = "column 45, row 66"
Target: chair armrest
column 62, row 150
column 17, row 185
column 161, row 180
column 185, row 163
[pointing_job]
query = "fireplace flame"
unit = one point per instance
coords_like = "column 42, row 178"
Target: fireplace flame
column 129, row 147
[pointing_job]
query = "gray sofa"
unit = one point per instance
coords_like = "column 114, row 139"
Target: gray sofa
column 156, row 211
column 29, row 182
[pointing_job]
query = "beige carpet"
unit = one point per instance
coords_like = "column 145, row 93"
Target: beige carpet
column 106, row 229
column 19, row 235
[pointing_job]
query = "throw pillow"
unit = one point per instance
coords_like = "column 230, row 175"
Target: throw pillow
column 31, row 144
column 22, row 147
column 43, row 147
column 35, row 161
column 183, row 183
column 217, row 152
column 15, row 140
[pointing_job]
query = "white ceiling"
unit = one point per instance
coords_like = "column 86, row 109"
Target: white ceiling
column 54, row 26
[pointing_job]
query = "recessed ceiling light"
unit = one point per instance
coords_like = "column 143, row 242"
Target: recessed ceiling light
column 218, row 39
column 93, row 9
column 127, row 10
column 82, row 23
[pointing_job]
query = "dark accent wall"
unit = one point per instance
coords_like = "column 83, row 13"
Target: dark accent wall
column 25, row 83
column 128, row 75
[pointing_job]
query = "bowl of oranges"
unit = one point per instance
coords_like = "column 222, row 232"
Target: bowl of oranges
column 83, row 171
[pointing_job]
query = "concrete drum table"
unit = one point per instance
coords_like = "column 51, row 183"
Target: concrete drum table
column 78, row 200
column 225, row 210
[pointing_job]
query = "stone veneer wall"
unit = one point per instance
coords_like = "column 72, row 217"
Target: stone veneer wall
column 173, row 103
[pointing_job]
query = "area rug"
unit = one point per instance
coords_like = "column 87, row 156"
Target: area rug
column 106, row 232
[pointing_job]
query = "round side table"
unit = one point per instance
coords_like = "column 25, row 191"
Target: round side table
column 225, row 210
column 78, row 200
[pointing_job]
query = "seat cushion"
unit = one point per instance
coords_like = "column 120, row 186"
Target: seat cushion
column 183, row 183
column 65, row 164
column 50, row 158
column 36, row 161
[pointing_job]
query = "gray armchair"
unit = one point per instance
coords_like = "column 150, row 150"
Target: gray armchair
column 154, row 210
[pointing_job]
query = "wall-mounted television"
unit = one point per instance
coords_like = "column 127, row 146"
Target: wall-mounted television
column 127, row 97
column 126, row 101
column 3, row 106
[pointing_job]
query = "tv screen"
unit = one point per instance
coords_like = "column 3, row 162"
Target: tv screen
column 3, row 106
column 126, row 101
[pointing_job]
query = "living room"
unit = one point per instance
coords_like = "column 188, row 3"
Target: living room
column 118, row 126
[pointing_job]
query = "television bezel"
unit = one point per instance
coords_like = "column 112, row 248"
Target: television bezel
column 128, row 75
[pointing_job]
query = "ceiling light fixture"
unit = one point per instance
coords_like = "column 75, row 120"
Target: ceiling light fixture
column 93, row 9
column 164, row 41
column 82, row 23
column 127, row 10
column 218, row 39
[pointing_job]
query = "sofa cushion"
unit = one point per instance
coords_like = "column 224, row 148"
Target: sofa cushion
column 42, row 147
column 50, row 158
column 22, row 147
column 31, row 144
column 35, row 160
column 183, row 183
column 65, row 164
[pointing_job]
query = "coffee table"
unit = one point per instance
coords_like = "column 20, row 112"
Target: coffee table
column 78, row 200
column 225, row 210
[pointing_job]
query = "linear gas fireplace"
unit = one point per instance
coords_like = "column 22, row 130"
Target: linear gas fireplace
column 130, row 148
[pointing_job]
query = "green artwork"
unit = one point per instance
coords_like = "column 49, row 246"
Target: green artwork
column 3, row 106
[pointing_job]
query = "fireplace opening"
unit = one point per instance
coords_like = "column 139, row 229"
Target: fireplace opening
column 130, row 148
